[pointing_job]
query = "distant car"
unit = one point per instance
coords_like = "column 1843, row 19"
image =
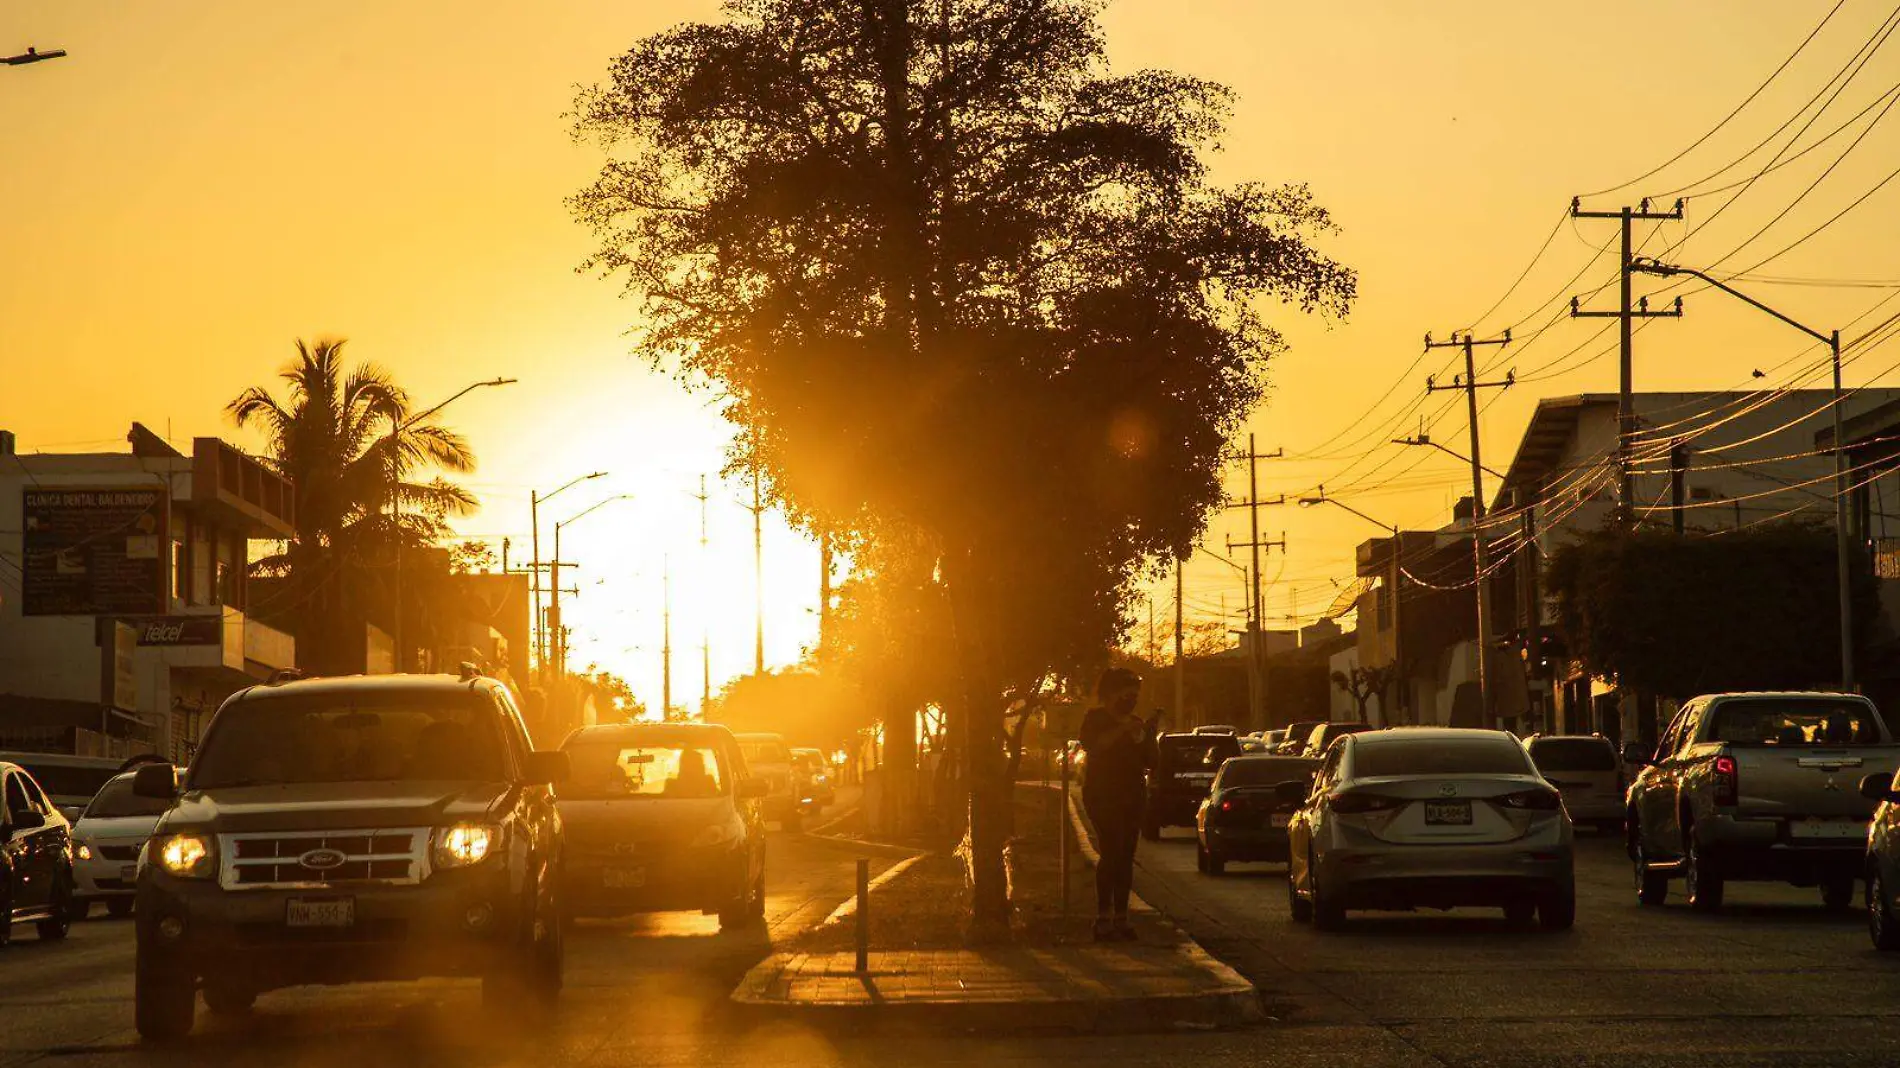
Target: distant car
column 36, row 859
column 1185, row 765
column 814, row 771
column 69, row 781
column 1325, row 734
column 1293, row 740
column 768, row 758
column 1430, row 817
column 1587, row 770
column 107, row 841
column 1245, row 815
column 1216, row 728
column 662, row 817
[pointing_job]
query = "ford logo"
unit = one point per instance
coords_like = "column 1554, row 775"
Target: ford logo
column 322, row 859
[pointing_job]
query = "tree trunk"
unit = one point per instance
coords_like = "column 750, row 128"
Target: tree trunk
column 976, row 722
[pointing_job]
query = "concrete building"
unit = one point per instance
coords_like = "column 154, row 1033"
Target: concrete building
column 125, row 609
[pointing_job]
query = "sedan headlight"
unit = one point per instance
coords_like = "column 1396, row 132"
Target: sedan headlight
column 463, row 844
column 188, row 856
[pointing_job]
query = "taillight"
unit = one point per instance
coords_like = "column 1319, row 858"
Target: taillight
column 1727, row 791
column 1533, row 800
column 1227, row 806
column 1351, row 803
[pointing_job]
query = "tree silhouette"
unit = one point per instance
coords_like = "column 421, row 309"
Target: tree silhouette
column 345, row 439
column 1362, row 684
column 953, row 275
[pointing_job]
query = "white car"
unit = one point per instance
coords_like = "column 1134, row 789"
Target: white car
column 1430, row 817
column 1588, row 771
column 767, row 757
column 106, row 843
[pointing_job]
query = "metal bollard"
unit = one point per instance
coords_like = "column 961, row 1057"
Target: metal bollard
column 864, row 915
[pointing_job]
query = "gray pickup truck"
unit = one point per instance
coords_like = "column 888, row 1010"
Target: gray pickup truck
column 1757, row 786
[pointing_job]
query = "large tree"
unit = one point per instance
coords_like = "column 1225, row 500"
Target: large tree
column 954, row 275
column 347, row 440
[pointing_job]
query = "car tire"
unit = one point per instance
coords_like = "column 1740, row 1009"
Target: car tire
column 1216, row 864
column 1883, row 928
column 56, row 926
column 1329, row 914
column 1200, row 858
column 228, row 998
column 80, row 911
column 1557, row 910
column 529, row 983
column 1151, row 830
column 1298, row 907
column 119, row 907
column 1837, row 895
column 1520, row 913
column 164, row 1004
column 1704, row 884
column 1652, row 888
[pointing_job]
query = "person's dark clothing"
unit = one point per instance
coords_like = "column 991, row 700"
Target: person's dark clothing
column 1114, row 792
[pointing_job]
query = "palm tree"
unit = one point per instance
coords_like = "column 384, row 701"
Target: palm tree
column 348, row 442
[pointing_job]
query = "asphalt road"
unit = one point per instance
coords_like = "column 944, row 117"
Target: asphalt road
column 1771, row 980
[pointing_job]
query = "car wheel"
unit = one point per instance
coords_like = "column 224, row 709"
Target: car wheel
column 1329, row 913
column 1882, row 927
column 1837, row 895
column 1703, row 883
column 1151, row 830
column 119, row 907
column 80, row 911
column 1300, row 908
column 528, row 981
column 55, row 927
column 1200, row 858
column 1652, row 888
column 1519, row 913
column 164, row 1005
column 1557, row 910
column 1216, row 864
column 229, row 998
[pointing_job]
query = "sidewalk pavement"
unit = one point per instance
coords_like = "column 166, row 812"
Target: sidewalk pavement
column 1162, row 980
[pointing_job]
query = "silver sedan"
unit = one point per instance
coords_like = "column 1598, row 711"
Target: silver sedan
column 1435, row 818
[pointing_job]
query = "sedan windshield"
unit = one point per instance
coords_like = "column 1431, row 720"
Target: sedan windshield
column 1487, row 755
column 330, row 738
column 117, row 801
column 614, row 768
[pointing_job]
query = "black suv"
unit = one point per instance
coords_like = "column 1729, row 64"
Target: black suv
column 352, row 830
column 1184, row 770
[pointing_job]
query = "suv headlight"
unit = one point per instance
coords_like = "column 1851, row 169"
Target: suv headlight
column 82, row 851
column 716, row 835
column 463, row 844
column 188, row 856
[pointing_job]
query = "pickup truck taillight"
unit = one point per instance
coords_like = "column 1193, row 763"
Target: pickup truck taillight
column 1727, row 789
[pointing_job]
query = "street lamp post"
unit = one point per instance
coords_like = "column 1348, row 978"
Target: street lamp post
column 1842, row 572
column 535, row 498
column 1398, row 571
column 559, row 642
column 395, row 500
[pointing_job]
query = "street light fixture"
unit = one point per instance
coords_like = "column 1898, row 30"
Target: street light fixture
column 1832, row 340
column 395, row 501
column 559, row 643
column 535, row 498
column 1398, row 571
column 33, row 55
column 1426, row 439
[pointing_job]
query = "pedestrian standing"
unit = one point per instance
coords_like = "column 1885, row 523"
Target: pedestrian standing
column 1121, row 748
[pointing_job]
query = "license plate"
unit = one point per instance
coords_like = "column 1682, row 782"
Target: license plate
column 129, row 873
column 1447, row 813
column 1827, row 829
column 1278, row 819
column 320, row 912
column 624, row 878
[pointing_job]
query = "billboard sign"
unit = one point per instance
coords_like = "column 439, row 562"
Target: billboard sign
column 96, row 551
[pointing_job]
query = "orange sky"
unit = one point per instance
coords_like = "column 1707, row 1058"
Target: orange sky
column 200, row 183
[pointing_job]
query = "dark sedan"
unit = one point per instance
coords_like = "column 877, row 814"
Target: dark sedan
column 1244, row 818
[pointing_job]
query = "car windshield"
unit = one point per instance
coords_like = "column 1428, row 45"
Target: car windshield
column 117, row 801
column 1573, row 754
column 614, row 767
column 1263, row 771
column 1192, row 752
column 371, row 737
column 1439, row 756
column 761, row 751
column 65, row 780
column 1795, row 723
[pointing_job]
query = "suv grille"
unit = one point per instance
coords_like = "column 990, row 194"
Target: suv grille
column 277, row 859
column 119, row 852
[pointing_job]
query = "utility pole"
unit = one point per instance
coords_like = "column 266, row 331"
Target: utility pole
column 1257, row 623
column 1180, row 644
column 1256, row 658
column 666, row 641
column 705, row 633
column 758, row 573
column 1470, row 385
column 1625, row 395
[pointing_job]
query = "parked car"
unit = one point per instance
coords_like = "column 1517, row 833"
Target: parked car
column 769, row 759
column 1293, row 742
column 107, row 841
column 1430, row 817
column 1184, row 769
column 1883, row 854
column 1245, row 815
column 1216, row 728
column 814, row 771
column 1588, row 771
column 350, row 830
column 69, row 781
column 662, row 817
column 1757, row 786
column 1252, row 743
column 36, row 859
column 1323, row 736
